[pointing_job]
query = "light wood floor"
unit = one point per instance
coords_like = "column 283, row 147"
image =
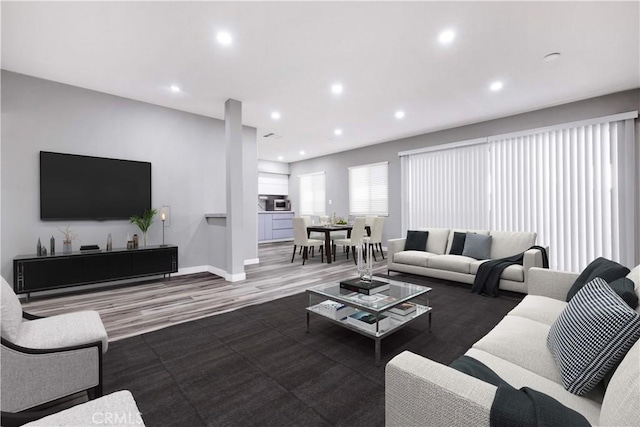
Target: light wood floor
column 143, row 307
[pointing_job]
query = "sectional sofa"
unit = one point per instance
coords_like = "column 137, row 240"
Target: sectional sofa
column 435, row 260
column 422, row 392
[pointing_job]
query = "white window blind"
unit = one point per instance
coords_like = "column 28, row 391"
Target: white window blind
column 446, row 187
column 565, row 184
column 312, row 193
column 369, row 189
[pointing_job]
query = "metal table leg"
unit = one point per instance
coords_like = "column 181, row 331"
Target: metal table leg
column 377, row 340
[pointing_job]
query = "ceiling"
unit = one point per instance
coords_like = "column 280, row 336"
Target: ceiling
column 285, row 56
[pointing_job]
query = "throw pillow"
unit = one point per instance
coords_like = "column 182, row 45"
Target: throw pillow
column 591, row 335
column 626, row 289
column 457, row 245
column 477, row 246
column 600, row 267
column 11, row 311
column 416, row 241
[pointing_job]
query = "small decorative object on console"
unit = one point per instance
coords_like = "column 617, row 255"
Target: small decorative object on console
column 144, row 222
column 109, row 242
column 52, row 246
column 69, row 235
column 39, row 248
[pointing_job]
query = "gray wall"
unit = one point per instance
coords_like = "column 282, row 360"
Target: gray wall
column 336, row 165
column 188, row 170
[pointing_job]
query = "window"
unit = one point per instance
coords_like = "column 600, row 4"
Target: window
column 369, row 189
column 312, row 193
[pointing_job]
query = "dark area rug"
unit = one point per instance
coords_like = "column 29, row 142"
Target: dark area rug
column 258, row 366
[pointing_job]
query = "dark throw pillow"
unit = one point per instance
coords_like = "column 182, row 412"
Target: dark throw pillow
column 592, row 334
column 457, row 245
column 603, row 268
column 416, row 241
column 477, row 246
column 626, row 289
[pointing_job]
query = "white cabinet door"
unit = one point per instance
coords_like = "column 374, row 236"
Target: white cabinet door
column 273, row 183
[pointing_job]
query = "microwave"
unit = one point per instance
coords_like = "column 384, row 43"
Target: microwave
column 281, row 205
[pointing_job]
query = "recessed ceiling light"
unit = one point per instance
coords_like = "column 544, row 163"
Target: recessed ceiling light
column 337, row 132
column 302, row 153
column 496, row 86
column 399, row 114
column 551, row 57
column 280, row 158
column 337, row 88
column 224, row 38
column 174, row 88
column 446, row 36
column 275, row 115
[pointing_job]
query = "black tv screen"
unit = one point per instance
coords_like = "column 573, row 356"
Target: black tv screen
column 76, row 187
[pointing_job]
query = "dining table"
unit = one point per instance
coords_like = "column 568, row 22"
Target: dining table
column 327, row 229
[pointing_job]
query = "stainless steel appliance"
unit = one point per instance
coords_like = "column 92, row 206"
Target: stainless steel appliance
column 281, row 205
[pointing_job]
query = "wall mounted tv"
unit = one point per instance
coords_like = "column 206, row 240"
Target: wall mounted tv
column 74, row 187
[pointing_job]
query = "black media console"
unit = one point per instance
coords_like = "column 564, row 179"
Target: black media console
column 32, row 273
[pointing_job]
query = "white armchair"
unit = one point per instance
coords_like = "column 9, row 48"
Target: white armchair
column 47, row 358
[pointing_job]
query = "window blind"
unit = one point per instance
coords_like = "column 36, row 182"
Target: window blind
column 369, row 189
column 312, row 193
column 446, row 188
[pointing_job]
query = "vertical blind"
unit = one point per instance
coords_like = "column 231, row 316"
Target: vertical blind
column 564, row 185
column 369, row 189
column 446, row 188
column 573, row 184
column 312, row 193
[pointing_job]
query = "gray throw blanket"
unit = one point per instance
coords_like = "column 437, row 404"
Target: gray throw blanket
column 488, row 276
column 525, row 407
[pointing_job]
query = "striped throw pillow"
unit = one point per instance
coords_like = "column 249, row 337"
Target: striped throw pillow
column 591, row 335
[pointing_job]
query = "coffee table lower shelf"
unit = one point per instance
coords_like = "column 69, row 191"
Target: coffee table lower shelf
column 396, row 325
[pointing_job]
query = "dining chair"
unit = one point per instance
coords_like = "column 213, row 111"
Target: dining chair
column 300, row 239
column 375, row 240
column 357, row 234
column 370, row 219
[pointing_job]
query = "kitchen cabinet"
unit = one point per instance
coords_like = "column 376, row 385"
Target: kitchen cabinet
column 275, row 226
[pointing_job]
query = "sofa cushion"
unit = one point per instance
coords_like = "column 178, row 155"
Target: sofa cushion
column 621, row 404
column 416, row 240
column 625, row 288
column 508, row 243
column 10, row 312
column 600, row 267
column 457, row 244
column 64, row 330
column 513, row 272
column 457, row 263
column 451, row 235
column 517, row 376
column 541, row 309
column 437, row 242
column 477, row 246
column 417, row 258
column 591, row 335
column 531, row 350
column 634, row 275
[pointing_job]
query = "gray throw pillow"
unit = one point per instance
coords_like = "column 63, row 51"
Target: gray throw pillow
column 477, row 246
column 592, row 334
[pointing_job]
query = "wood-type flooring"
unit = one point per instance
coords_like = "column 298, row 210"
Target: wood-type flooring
column 147, row 306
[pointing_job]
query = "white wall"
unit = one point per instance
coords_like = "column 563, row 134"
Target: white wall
column 188, row 172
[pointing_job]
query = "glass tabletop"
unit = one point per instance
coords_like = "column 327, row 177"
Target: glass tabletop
column 397, row 293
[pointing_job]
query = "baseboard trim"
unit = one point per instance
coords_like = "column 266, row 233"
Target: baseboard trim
column 236, row 277
column 252, row 261
column 192, row 270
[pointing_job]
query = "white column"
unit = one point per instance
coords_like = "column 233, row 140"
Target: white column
column 235, row 190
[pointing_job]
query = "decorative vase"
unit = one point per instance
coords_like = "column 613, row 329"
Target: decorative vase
column 365, row 268
column 66, row 246
column 144, row 239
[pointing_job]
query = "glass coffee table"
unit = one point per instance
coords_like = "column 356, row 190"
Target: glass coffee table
column 385, row 312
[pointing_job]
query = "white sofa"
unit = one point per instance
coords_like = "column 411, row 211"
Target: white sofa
column 419, row 391
column 437, row 262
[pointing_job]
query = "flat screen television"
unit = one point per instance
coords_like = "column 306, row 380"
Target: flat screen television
column 74, row 187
